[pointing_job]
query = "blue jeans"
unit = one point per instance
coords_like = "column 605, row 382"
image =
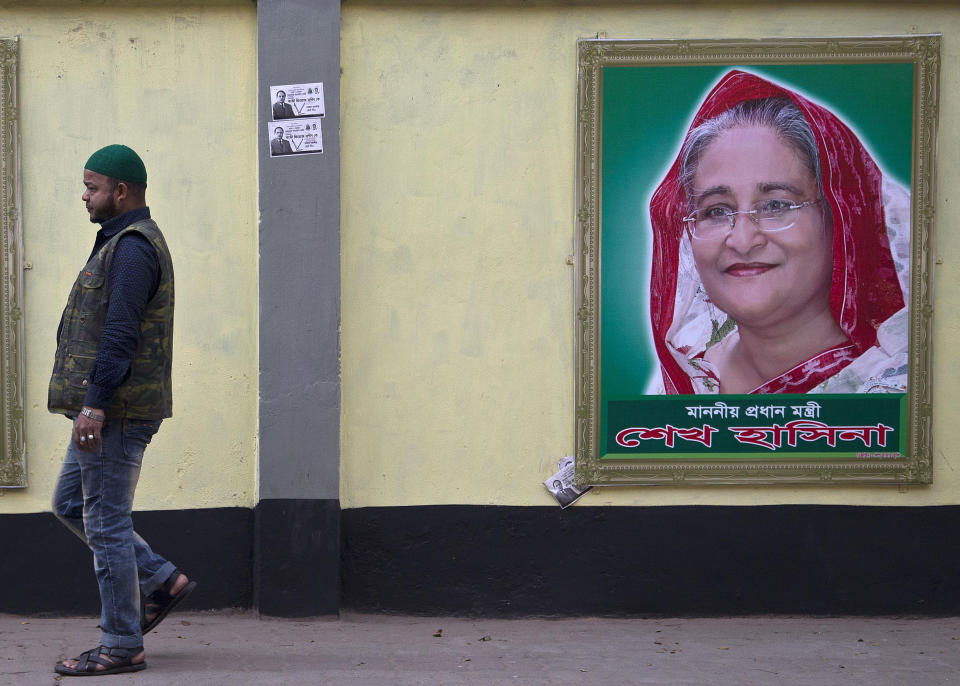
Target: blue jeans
column 94, row 499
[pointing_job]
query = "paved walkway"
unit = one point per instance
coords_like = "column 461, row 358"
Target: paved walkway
column 238, row 648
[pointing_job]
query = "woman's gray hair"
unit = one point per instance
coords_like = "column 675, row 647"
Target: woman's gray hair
column 780, row 114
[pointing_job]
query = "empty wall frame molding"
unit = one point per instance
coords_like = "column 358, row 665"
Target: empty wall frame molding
column 13, row 472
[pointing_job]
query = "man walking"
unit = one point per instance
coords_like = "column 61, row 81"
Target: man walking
column 111, row 376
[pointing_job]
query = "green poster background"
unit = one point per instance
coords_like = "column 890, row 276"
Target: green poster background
column 833, row 409
column 646, row 111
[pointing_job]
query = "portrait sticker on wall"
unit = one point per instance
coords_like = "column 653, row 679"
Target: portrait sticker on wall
column 297, row 100
column 295, row 137
column 753, row 264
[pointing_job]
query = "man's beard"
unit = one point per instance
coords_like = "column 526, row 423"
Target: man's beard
column 104, row 213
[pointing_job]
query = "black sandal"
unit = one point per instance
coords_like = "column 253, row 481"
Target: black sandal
column 161, row 603
column 119, row 660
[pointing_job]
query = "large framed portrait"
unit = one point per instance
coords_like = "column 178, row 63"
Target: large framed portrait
column 753, row 260
column 12, row 458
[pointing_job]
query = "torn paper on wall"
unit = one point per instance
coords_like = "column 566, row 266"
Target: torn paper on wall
column 562, row 484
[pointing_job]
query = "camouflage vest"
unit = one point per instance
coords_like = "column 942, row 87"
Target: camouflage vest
column 146, row 393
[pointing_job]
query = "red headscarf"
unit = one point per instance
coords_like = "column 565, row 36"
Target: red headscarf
column 865, row 290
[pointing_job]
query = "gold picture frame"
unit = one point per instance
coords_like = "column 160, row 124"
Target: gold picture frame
column 13, row 470
column 637, row 99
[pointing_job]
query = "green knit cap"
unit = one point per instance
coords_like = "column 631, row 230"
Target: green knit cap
column 118, row 161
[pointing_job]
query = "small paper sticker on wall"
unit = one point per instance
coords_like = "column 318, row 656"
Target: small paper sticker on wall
column 297, row 100
column 562, row 485
column 295, row 137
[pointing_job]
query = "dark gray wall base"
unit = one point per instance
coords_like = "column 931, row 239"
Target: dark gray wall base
column 45, row 569
column 694, row 561
column 516, row 561
column 295, row 570
column 297, row 557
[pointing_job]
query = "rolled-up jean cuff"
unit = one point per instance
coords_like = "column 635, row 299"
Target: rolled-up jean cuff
column 113, row 641
column 156, row 581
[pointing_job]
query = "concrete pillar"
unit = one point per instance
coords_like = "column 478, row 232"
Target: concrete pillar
column 297, row 519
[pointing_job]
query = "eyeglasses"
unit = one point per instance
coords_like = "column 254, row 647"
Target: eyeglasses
column 717, row 222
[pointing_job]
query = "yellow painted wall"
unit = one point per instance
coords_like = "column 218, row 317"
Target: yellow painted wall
column 177, row 82
column 457, row 217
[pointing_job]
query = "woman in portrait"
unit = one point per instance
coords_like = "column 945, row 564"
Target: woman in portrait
column 780, row 252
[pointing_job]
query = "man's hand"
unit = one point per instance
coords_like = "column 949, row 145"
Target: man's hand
column 86, row 430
